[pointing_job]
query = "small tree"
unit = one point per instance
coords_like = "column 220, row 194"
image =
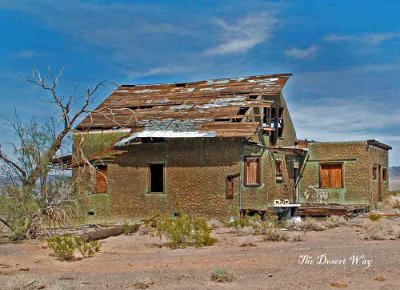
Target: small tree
column 29, row 194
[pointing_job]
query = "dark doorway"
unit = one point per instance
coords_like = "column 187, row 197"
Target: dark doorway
column 156, row 177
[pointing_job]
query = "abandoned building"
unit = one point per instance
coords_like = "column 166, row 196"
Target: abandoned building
column 213, row 148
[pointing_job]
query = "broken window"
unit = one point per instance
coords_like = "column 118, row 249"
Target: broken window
column 156, row 177
column 384, row 174
column 252, row 171
column 278, row 171
column 101, row 185
column 331, row 175
column 374, row 172
column 267, row 118
column 274, row 117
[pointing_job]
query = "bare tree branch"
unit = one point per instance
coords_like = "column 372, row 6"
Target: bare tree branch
column 10, row 162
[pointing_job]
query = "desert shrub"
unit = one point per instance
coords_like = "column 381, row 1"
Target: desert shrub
column 270, row 229
column 241, row 222
column 20, row 212
column 248, row 221
column 87, row 249
column 130, row 229
column 392, row 201
column 222, row 275
column 335, row 221
column 292, row 225
column 64, row 247
column 261, row 226
column 377, row 230
column 274, row 234
column 374, row 217
column 311, row 224
column 297, row 237
column 143, row 283
column 185, row 230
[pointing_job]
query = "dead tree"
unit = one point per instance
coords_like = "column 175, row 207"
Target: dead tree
column 69, row 120
column 37, row 144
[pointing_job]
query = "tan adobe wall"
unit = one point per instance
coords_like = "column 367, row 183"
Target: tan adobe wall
column 379, row 157
column 194, row 178
column 357, row 158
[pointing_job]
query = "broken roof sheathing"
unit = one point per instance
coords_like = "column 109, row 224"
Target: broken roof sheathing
column 194, row 109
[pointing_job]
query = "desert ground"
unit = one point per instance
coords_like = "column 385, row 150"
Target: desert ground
column 256, row 264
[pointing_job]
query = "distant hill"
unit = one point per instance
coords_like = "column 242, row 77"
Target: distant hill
column 6, row 181
column 394, row 177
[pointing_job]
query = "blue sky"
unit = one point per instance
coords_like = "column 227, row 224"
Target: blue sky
column 343, row 54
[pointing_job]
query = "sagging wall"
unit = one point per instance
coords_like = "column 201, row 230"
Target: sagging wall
column 358, row 159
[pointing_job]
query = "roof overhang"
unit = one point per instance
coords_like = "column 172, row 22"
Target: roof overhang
column 378, row 144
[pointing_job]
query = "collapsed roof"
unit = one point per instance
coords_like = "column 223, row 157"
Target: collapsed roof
column 213, row 108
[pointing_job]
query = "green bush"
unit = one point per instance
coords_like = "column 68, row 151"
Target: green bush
column 185, row 230
column 87, row 249
column 130, row 229
column 21, row 212
column 64, row 247
column 222, row 275
column 374, row 217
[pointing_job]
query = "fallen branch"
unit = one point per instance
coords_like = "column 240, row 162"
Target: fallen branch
column 5, row 223
column 106, row 233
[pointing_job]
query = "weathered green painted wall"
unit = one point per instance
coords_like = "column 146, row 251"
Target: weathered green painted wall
column 358, row 159
column 260, row 197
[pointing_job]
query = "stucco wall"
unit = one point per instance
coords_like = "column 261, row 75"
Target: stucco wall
column 195, row 180
column 195, row 177
column 260, row 197
column 358, row 159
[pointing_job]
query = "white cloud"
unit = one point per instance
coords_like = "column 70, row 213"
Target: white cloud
column 341, row 117
column 305, row 53
column 244, row 33
column 353, row 103
column 366, row 38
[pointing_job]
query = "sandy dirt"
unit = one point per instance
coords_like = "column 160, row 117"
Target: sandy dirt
column 257, row 264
